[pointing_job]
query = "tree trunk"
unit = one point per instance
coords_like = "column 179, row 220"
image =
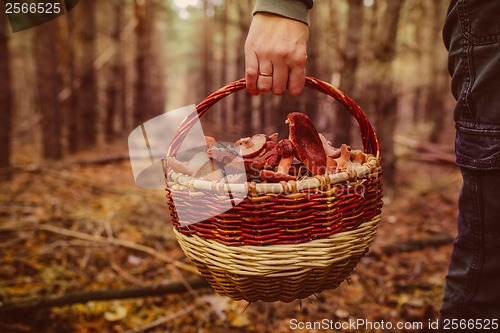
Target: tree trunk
column 350, row 59
column 113, row 92
column 207, row 51
column 242, row 106
column 49, row 84
column 419, row 10
column 5, row 94
column 141, row 101
column 383, row 95
column 156, row 63
column 224, row 109
column 149, row 99
column 435, row 103
column 88, row 88
column 73, row 116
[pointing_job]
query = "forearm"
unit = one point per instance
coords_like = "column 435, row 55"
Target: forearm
column 294, row 9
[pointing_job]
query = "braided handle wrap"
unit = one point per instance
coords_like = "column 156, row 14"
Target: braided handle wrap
column 368, row 136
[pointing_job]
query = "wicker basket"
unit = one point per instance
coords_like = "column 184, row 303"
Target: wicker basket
column 283, row 241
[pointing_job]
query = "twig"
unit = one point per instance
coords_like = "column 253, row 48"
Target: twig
column 163, row 320
column 117, row 242
column 410, row 245
column 101, row 295
column 427, row 151
column 52, row 246
column 418, row 244
column 126, row 275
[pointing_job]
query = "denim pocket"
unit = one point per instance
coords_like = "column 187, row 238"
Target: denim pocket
column 478, row 148
column 480, row 20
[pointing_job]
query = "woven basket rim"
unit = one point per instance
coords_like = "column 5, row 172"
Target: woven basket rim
column 308, row 183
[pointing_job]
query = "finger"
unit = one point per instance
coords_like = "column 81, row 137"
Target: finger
column 251, row 72
column 280, row 78
column 296, row 80
column 265, row 79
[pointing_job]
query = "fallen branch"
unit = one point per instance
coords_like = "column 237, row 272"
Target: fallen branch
column 163, row 320
column 62, row 165
column 414, row 245
column 101, row 160
column 117, row 242
column 103, row 295
column 427, row 151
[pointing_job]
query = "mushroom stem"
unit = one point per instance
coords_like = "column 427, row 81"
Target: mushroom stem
column 275, row 177
column 285, row 164
column 179, row 167
column 281, row 173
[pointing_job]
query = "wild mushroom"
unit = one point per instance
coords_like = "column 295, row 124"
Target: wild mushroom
column 307, row 143
column 198, row 161
column 344, row 161
column 249, row 147
column 285, row 150
column 199, row 166
column 235, row 178
column 269, row 145
column 210, row 142
column 273, row 137
column 267, row 158
column 330, row 151
column 179, row 167
column 357, row 157
column 298, row 169
column 275, row 177
column 254, row 165
column 227, row 158
column 331, row 165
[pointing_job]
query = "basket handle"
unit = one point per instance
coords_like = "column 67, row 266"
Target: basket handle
column 369, row 138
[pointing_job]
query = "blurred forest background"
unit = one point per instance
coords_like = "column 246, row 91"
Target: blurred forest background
column 71, row 90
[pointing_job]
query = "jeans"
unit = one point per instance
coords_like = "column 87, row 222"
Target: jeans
column 472, row 36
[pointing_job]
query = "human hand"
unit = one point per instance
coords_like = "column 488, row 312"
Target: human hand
column 275, row 55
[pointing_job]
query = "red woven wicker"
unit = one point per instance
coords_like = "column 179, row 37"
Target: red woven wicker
column 318, row 213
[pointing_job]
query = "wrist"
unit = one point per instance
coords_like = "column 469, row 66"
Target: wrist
column 293, row 9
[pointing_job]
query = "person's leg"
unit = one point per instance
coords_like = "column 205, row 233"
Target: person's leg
column 473, row 282
column 472, row 36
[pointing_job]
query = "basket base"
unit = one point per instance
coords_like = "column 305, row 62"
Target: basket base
column 273, row 289
column 276, row 272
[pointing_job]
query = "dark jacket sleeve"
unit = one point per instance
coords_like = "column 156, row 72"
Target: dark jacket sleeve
column 294, row 9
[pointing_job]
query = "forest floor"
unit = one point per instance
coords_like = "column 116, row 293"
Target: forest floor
column 69, row 227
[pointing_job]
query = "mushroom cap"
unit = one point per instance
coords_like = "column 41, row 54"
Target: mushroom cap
column 307, row 143
column 285, row 148
column 344, row 161
column 330, row 151
column 273, row 137
column 357, row 156
column 210, row 141
column 249, row 147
